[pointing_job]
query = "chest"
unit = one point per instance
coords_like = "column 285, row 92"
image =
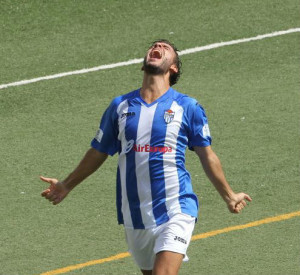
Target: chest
column 159, row 123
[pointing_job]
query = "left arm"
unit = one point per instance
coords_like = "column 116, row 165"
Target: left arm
column 213, row 169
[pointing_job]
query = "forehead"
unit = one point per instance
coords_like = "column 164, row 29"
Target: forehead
column 166, row 44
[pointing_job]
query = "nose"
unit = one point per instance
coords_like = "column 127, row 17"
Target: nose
column 158, row 45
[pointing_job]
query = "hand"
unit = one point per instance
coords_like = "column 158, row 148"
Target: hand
column 237, row 202
column 56, row 192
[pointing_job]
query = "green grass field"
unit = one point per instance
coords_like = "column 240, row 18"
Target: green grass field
column 251, row 95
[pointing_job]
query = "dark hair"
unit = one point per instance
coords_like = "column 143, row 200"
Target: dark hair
column 174, row 77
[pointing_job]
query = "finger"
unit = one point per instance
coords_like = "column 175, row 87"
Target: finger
column 49, row 180
column 247, row 197
column 45, row 179
column 239, row 206
column 243, row 203
column 53, row 198
column 232, row 209
column 235, row 211
column 49, row 196
column 45, row 192
column 57, row 201
column 238, row 210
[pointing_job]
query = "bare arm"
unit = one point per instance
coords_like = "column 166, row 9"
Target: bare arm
column 58, row 190
column 213, row 169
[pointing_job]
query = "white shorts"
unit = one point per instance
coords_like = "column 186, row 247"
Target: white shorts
column 174, row 236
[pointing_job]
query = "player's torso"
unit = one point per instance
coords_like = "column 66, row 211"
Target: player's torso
column 154, row 128
column 152, row 175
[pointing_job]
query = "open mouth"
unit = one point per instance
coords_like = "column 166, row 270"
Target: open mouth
column 156, row 54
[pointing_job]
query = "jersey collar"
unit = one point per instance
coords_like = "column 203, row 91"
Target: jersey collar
column 164, row 97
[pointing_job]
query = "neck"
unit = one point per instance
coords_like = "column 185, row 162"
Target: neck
column 154, row 86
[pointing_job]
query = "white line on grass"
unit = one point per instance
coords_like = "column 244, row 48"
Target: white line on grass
column 140, row 60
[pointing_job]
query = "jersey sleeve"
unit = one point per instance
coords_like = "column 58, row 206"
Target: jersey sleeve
column 106, row 139
column 198, row 130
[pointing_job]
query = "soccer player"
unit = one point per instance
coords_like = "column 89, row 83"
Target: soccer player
column 150, row 129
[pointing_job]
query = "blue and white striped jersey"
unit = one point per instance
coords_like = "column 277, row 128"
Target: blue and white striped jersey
column 152, row 181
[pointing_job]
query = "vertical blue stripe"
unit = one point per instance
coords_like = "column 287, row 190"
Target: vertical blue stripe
column 156, row 165
column 119, row 198
column 131, row 180
column 187, row 199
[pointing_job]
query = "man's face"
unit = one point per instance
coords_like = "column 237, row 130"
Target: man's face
column 159, row 59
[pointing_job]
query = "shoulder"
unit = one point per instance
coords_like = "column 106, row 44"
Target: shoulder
column 184, row 100
column 192, row 108
column 115, row 103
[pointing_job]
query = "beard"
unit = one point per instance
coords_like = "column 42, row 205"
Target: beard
column 153, row 69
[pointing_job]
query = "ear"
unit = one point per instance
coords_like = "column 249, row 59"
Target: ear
column 173, row 69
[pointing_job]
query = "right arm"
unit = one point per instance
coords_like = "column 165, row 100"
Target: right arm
column 58, row 190
column 106, row 140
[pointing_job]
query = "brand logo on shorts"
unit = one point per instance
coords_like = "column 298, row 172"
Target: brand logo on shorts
column 180, row 239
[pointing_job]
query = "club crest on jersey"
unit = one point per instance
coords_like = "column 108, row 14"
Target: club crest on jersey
column 169, row 116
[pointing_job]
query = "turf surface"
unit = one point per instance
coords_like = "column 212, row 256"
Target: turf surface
column 250, row 92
